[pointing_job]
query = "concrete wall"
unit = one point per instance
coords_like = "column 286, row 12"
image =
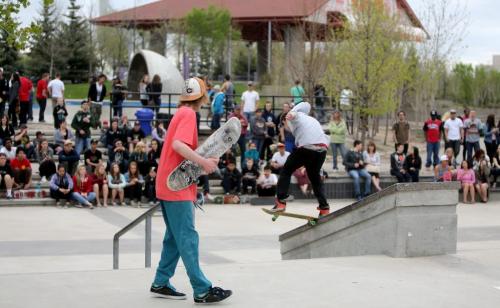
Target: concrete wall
column 404, row 220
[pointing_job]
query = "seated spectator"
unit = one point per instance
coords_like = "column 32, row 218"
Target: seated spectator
column 279, row 159
column 8, row 149
column 302, row 180
column 83, row 192
column 203, row 181
column 82, row 122
column 250, row 174
column 134, row 180
column 231, row 178
column 114, row 133
column 45, row 157
column 413, row 164
column 159, row 132
column 68, row 157
column 117, row 184
column 124, row 125
column 61, row 135
column 355, row 167
column 481, row 166
column 267, row 183
column 495, row 167
column 443, row 172
column 61, row 186
column 467, row 177
column 134, row 136
column 140, row 156
column 6, row 175
column 22, row 139
column 397, row 164
column 154, row 154
column 6, row 129
column 59, row 113
column 92, row 157
column 100, row 183
column 452, row 162
column 119, row 155
column 39, row 137
column 252, row 153
column 21, row 169
column 150, row 186
column 271, row 122
column 225, row 159
column 104, row 130
column 372, row 161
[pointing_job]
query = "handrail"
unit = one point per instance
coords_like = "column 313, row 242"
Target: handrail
column 147, row 249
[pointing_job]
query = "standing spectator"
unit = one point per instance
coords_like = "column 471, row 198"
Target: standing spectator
column 372, row 161
column 6, row 129
column 464, row 117
column 14, row 107
column 229, row 92
column 83, row 191
column 59, row 113
column 117, row 97
column 56, row 89
column 26, row 86
column 279, row 159
column 355, row 167
column 119, row 155
column 267, row 183
column 319, row 101
column 100, row 184
column 45, row 158
column 61, row 186
column 4, row 92
column 244, row 126
column 345, row 98
column 154, row 154
column 285, row 133
column 159, row 132
column 472, row 126
column 143, row 90
column 413, row 164
column 155, row 89
column 217, row 107
column 150, row 186
column 467, row 177
column 6, row 175
column 92, row 157
column 401, row 132
column 482, row 169
column 432, row 130
column 297, row 92
column 302, row 180
column 231, row 179
column 135, row 135
column 140, row 157
column 250, row 174
column 338, row 132
column 454, row 132
column 491, row 136
column 134, row 180
column 258, row 130
column 81, row 123
column 398, row 164
column 21, row 169
column 61, row 135
column 8, row 149
column 249, row 101
column 68, row 157
column 443, row 171
column 271, row 121
column 96, row 95
column 117, row 184
column 495, row 167
column 41, row 95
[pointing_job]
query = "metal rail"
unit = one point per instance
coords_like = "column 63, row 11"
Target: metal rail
column 147, row 216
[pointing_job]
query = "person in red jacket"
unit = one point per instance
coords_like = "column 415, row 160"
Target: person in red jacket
column 83, row 190
column 432, row 129
column 41, row 95
column 24, row 99
column 21, row 168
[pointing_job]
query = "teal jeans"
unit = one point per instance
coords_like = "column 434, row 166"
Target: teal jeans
column 180, row 241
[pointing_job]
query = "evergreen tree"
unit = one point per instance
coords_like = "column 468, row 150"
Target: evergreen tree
column 9, row 55
column 43, row 49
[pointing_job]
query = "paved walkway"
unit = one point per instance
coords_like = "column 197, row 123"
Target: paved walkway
column 63, row 257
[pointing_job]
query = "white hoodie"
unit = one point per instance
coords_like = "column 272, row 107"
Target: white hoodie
column 306, row 129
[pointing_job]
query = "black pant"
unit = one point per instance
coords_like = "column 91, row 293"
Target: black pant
column 252, row 183
column 491, row 149
column 23, row 114
column 134, row 192
column 30, row 110
column 2, row 106
column 150, row 191
column 266, row 192
column 265, row 151
column 312, row 161
column 231, row 185
column 205, row 183
column 47, row 169
column 12, row 113
column 401, row 177
column 455, row 145
column 405, row 149
column 414, row 175
column 242, row 143
column 56, row 194
column 42, row 102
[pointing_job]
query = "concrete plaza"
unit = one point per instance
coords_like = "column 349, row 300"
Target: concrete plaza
column 58, row 258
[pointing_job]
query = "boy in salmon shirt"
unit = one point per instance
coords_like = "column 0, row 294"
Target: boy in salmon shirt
column 181, row 238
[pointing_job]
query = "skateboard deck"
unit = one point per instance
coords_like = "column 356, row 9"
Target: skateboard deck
column 217, row 144
column 310, row 219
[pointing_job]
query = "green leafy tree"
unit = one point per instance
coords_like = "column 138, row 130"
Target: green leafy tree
column 112, row 48
column 463, row 75
column 9, row 54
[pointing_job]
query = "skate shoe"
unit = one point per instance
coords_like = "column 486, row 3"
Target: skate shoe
column 323, row 212
column 166, row 292
column 214, row 295
column 279, row 206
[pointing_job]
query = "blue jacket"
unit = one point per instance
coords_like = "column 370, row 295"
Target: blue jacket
column 218, row 103
column 488, row 134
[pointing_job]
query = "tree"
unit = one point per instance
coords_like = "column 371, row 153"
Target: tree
column 9, row 54
column 464, row 77
column 112, row 48
column 369, row 58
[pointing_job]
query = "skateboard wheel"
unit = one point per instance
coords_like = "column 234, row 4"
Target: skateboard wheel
column 274, row 218
column 312, row 223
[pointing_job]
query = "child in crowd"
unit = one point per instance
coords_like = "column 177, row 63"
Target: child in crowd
column 154, row 154
column 101, row 187
column 6, row 176
column 302, row 180
column 61, row 135
column 250, row 174
column 140, row 156
column 149, row 186
column 266, row 183
column 467, row 178
column 252, row 153
column 83, row 192
column 413, row 164
column 259, row 130
column 117, row 184
column 59, row 113
column 134, row 180
column 61, row 186
column 21, row 168
column 279, row 159
column 45, row 157
column 231, row 178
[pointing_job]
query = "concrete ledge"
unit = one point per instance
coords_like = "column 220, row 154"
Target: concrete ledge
column 404, row 220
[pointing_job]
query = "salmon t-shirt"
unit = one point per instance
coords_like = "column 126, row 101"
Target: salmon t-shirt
column 182, row 128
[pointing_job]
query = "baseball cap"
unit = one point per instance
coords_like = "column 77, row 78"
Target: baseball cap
column 453, row 111
column 434, row 113
column 281, row 145
column 444, row 158
column 250, row 83
column 68, row 142
column 216, row 87
column 193, row 89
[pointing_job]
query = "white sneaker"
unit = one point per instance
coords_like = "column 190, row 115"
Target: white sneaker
column 43, row 180
column 209, row 197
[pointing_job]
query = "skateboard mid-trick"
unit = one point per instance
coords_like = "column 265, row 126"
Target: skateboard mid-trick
column 312, row 221
column 187, row 172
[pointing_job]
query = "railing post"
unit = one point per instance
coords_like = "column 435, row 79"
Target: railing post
column 148, row 242
column 169, row 104
column 116, row 252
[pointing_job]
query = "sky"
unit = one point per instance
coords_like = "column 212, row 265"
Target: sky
column 480, row 43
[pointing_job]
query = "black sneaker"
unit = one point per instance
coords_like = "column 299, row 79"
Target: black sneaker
column 214, row 295
column 166, row 292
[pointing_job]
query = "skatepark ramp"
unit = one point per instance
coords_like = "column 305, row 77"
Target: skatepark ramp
column 403, row 220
